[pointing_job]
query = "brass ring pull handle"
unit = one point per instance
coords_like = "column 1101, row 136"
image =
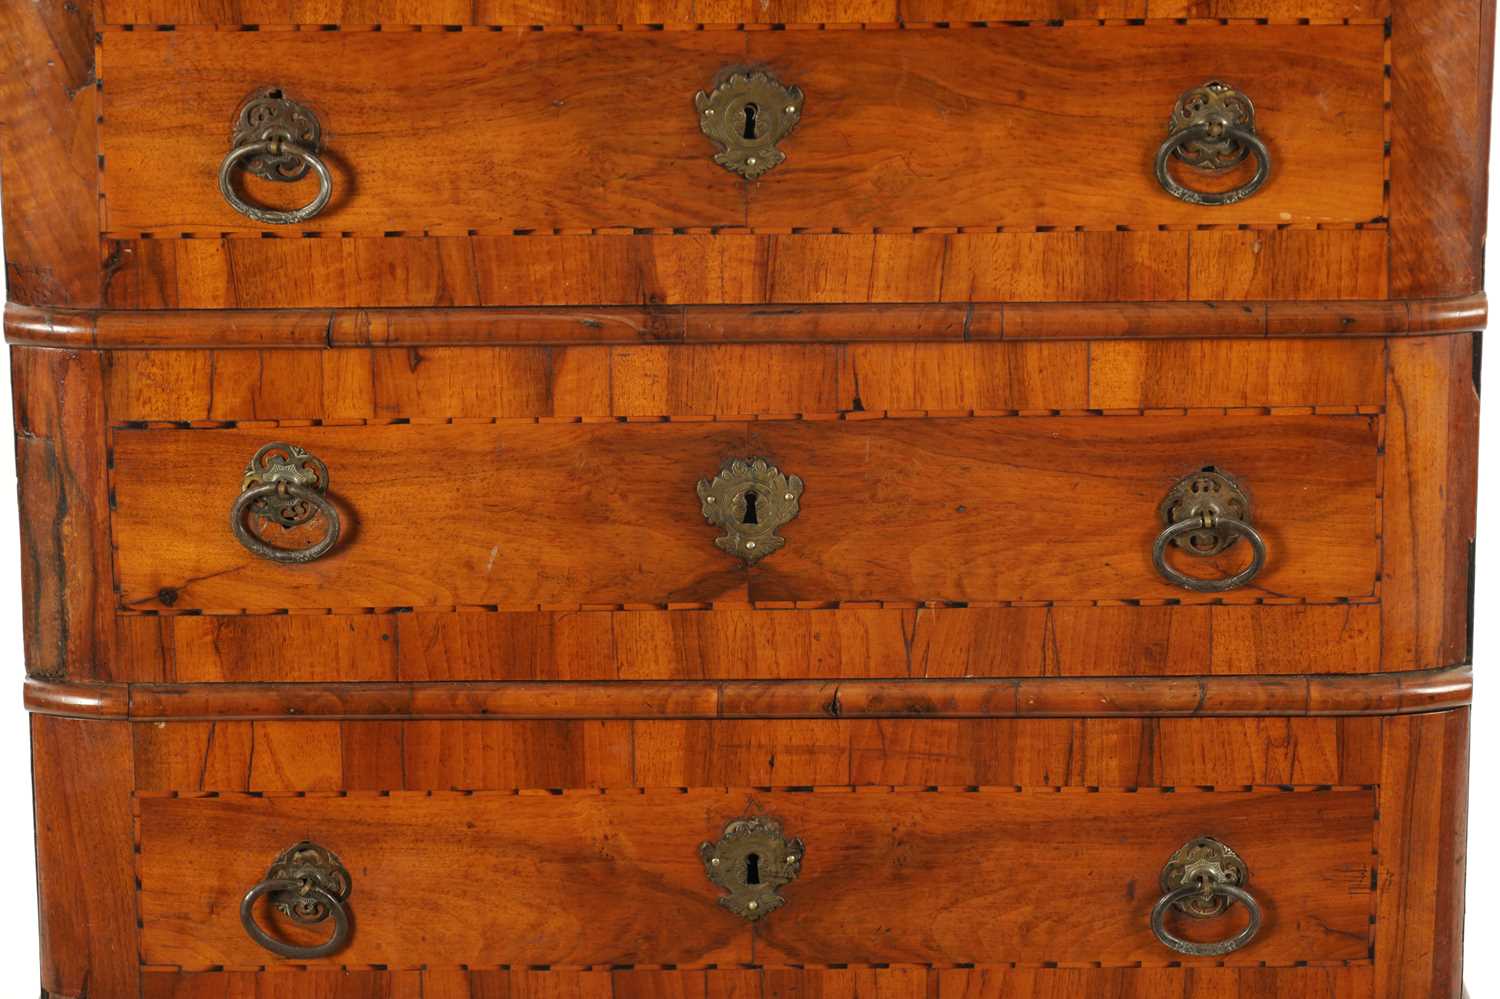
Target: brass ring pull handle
column 1204, row 515
column 1212, row 128
column 1203, row 879
column 279, row 140
column 308, row 885
column 284, row 484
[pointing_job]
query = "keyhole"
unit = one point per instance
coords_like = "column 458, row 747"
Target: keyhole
column 750, row 516
column 752, row 869
column 750, row 112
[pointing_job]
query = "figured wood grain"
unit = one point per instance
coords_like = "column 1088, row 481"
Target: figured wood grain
column 539, row 140
column 749, row 643
column 28, row 326
column 1293, row 264
column 492, row 755
column 1319, row 695
column 85, row 862
column 1440, row 59
column 538, row 853
column 1421, row 841
column 895, row 982
column 66, row 570
column 510, row 529
column 1431, row 445
column 440, row 382
column 676, row 14
column 1142, row 374
column 561, row 270
column 48, row 153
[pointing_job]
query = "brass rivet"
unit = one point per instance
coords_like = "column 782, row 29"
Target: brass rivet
column 790, row 496
column 715, row 861
column 749, row 544
column 708, row 111
column 792, row 859
column 791, row 109
column 752, row 906
column 751, row 161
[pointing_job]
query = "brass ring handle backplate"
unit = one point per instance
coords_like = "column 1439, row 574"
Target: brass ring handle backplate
column 1212, row 128
column 286, row 485
column 1203, row 515
column 308, row 885
column 1203, row 879
column 275, row 139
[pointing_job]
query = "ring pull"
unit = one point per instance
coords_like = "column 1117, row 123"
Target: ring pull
column 279, row 140
column 308, row 885
column 1205, row 514
column 1204, row 879
column 1212, row 128
column 286, row 485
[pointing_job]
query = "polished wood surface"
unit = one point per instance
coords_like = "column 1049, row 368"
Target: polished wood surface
column 689, row 268
column 86, row 891
column 49, row 153
column 533, row 128
column 66, row 557
column 536, row 313
column 948, row 500
column 1039, row 697
column 26, row 325
column 727, row 642
column 893, row 982
column 646, row 13
column 914, row 877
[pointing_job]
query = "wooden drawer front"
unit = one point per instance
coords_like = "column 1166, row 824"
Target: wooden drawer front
column 517, row 515
column 497, row 132
column 890, row 876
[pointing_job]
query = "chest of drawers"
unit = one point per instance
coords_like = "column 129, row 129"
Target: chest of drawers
column 917, row 499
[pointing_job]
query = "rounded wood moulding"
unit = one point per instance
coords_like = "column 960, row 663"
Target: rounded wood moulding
column 1012, row 697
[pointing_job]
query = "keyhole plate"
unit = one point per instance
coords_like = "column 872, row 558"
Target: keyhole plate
column 776, row 863
column 744, row 484
column 746, row 116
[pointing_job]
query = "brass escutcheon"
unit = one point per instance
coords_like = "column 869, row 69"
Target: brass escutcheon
column 752, row 861
column 750, row 499
column 746, row 116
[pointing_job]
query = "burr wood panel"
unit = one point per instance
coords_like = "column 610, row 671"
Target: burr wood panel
column 578, row 514
column 534, row 134
column 535, row 865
